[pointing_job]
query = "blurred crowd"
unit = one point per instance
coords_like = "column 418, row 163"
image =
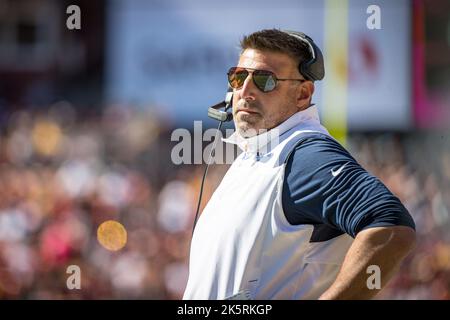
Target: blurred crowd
column 64, row 172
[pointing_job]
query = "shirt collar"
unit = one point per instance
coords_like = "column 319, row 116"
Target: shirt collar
column 306, row 118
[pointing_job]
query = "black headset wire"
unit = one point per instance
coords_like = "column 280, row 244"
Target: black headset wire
column 211, row 154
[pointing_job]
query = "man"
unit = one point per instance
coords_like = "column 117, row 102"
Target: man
column 300, row 219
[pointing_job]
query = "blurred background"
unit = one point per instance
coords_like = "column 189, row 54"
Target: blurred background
column 86, row 117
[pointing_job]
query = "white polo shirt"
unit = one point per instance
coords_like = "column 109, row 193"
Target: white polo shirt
column 244, row 244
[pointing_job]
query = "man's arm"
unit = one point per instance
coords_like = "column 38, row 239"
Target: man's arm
column 325, row 185
column 384, row 247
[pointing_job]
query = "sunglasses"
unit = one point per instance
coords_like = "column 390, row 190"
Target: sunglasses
column 264, row 80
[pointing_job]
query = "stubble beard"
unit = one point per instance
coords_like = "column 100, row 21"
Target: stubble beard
column 249, row 125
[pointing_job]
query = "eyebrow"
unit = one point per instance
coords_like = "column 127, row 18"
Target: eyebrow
column 263, row 68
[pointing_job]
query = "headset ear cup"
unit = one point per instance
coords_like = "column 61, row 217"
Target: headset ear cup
column 303, row 68
column 313, row 69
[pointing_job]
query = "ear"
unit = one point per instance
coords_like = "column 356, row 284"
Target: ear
column 304, row 95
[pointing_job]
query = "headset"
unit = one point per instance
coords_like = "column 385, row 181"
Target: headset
column 312, row 69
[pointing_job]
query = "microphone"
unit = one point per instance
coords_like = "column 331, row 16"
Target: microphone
column 215, row 113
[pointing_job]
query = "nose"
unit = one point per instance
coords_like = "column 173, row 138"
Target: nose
column 248, row 89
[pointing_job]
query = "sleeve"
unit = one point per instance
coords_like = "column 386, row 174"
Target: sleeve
column 323, row 184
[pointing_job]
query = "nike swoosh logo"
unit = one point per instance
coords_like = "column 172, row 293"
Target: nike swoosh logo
column 335, row 173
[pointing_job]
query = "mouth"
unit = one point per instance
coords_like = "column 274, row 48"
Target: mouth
column 245, row 108
column 246, row 111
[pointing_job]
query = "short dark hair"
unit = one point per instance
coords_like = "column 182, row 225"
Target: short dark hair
column 275, row 40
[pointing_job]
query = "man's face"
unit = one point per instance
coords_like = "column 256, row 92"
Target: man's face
column 254, row 110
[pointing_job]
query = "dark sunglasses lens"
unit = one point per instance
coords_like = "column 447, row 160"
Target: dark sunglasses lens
column 236, row 77
column 264, row 80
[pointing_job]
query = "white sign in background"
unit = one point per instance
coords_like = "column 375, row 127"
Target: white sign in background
column 175, row 54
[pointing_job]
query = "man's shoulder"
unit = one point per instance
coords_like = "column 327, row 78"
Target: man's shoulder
column 314, row 146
